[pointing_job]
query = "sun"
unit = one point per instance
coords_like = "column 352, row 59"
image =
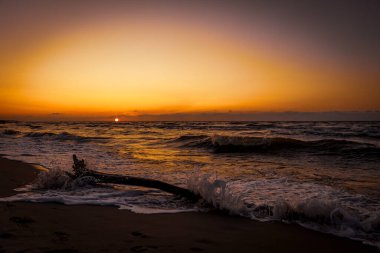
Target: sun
column 116, row 119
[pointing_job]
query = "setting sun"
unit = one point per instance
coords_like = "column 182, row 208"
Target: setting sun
column 116, row 119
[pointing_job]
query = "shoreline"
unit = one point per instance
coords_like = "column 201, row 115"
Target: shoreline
column 51, row 227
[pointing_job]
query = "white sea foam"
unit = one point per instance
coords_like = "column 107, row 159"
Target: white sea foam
column 59, row 179
column 314, row 206
column 58, row 187
column 319, row 207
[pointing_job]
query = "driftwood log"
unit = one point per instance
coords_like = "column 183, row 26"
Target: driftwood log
column 79, row 168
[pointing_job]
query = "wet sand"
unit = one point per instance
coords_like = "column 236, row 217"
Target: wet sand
column 36, row 227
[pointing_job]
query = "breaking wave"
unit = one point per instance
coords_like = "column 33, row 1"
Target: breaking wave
column 57, row 186
column 59, row 179
column 231, row 144
column 314, row 206
column 318, row 207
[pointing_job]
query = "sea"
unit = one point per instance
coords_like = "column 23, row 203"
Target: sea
column 322, row 175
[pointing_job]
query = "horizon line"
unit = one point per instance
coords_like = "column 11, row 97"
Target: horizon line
column 368, row 115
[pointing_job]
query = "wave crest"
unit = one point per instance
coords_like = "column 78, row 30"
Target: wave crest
column 63, row 136
column 217, row 192
column 317, row 207
column 234, row 144
column 59, row 179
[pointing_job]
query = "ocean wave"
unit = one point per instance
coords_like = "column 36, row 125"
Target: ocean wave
column 59, row 179
column 33, row 126
column 343, row 133
column 58, row 186
column 231, row 144
column 10, row 132
column 261, row 125
column 188, row 137
column 318, row 207
column 63, row 136
column 39, row 134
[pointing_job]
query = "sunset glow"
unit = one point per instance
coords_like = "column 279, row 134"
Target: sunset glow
column 142, row 59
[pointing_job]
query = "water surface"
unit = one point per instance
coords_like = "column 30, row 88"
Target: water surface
column 323, row 175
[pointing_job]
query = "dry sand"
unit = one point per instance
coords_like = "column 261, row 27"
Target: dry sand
column 33, row 227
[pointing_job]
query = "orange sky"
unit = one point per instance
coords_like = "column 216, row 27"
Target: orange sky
column 139, row 59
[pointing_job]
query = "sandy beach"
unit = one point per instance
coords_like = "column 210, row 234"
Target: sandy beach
column 34, row 227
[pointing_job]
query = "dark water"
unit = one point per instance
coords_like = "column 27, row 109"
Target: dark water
column 323, row 175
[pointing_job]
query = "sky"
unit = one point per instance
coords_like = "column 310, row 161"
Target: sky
column 104, row 59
